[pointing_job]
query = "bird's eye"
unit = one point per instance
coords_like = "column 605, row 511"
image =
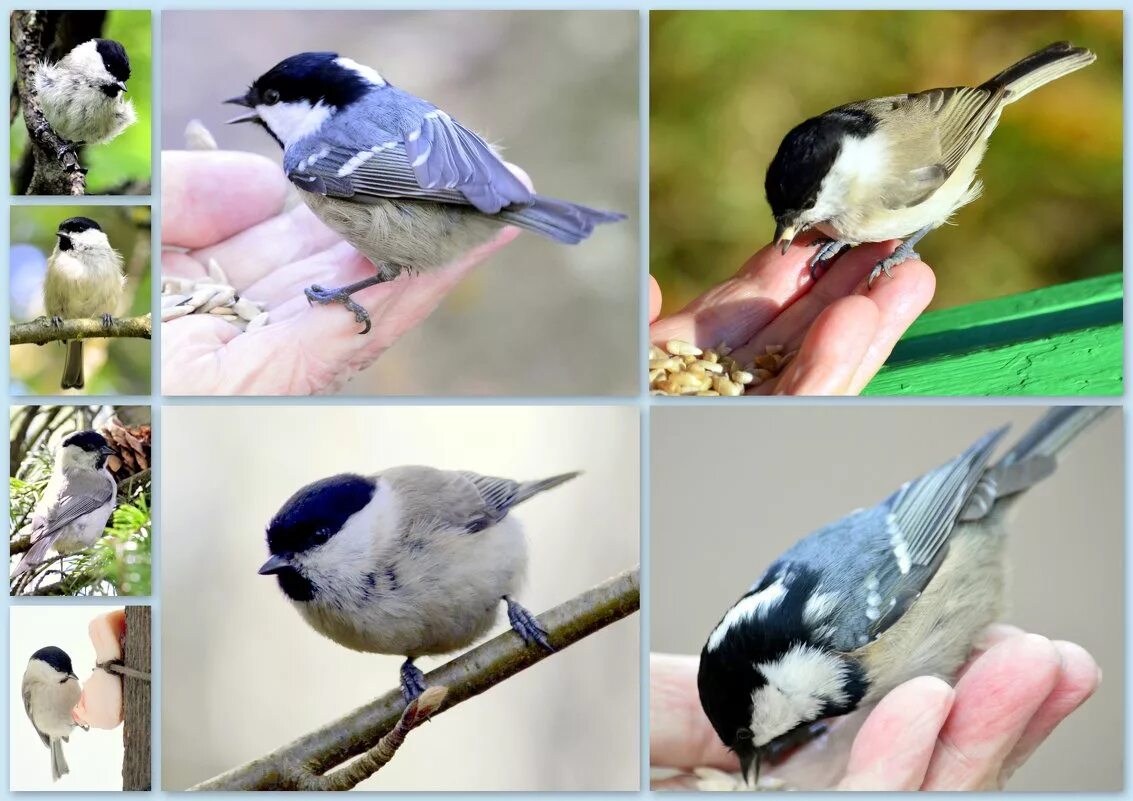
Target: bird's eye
column 322, row 535
column 271, row 97
column 743, row 735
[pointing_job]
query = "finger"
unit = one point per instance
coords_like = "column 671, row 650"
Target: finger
column 680, row 735
column 829, row 356
column 338, row 265
column 893, row 749
column 207, row 196
column 838, row 280
column 995, row 701
column 654, row 299
column 900, row 300
column 193, row 343
column 732, row 312
column 279, row 240
column 181, row 265
column 1079, row 679
column 992, row 636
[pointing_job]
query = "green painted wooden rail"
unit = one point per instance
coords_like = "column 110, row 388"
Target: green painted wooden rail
column 1062, row 340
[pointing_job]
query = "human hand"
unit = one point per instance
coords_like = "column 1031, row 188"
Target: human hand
column 842, row 330
column 230, row 206
column 924, row 735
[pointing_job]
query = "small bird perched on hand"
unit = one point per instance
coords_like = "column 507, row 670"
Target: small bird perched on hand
column 399, row 179
column 77, row 502
column 51, row 690
column 896, row 167
column 84, row 279
column 82, row 94
column 411, row 561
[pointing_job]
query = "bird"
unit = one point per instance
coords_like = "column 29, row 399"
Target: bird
column 82, row 94
column 885, row 594
column 77, row 502
column 402, row 181
column 84, row 279
column 412, row 561
column 896, row 167
column 51, row 690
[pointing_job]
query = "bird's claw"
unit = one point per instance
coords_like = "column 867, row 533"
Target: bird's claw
column 317, row 294
column 412, row 681
column 107, row 320
column 526, row 625
column 886, row 265
column 57, row 321
column 828, row 249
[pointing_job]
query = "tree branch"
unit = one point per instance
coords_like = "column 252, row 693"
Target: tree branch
column 136, row 689
column 42, row 331
column 464, row 677
column 56, row 170
column 126, row 486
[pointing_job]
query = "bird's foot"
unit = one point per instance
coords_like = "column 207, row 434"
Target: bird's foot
column 56, row 320
column 316, row 294
column 107, row 320
column 412, row 681
column 826, row 252
column 903, row 253
column 526, row 625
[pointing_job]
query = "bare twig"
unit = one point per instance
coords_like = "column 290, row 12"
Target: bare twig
column 16, row 447
column 56, row 170
column 126, row 486
column 464, row 677
column 42, row 331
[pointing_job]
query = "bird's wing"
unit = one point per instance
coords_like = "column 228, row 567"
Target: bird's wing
column 497, row 496
column 917, row 522
column 426, row 156
column 946, row 124
column 27, row 708
column 83, row 492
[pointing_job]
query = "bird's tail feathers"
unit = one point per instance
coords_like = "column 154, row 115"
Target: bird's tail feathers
column 559, row 220
column 33, row 556
column 59, row 767
column 73, row 366
column 1039, row 68
column 528, row 489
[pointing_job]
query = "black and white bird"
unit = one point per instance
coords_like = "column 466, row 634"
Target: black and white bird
column 51, row 690
column 398, row 178
column 412, row 561
column 82, row 94
column 80, row 495
column 886, row 594
column 897, row 167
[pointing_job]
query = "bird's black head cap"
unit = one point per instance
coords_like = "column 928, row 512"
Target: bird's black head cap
column 114, row 57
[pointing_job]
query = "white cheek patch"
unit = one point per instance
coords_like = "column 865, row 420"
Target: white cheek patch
column 369, row 73
column 90, row 238
column 86, row 59
column 861, row 163
column 799, row 685
column 756, row 605
column 292, row 121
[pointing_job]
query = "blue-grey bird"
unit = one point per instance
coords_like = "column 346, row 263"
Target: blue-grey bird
column 883, row 595
column 397, row 177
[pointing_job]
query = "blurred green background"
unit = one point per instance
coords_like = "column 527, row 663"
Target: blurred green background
column 113, row 366
column 725, row 87
column 122, row 166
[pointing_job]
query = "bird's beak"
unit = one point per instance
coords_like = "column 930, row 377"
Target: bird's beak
column 784, row 236
column 72, row 676
column 274, row 565
column 749, row 765
column 122, row 85
column 242, row 100
column 106, row 450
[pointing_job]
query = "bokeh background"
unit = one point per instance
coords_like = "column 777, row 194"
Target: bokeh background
column 1066, row 549
column 559, row 90
column 725, row 87
column 123, row 165
column 114, row 366
column 243, row 674
column 95, row 756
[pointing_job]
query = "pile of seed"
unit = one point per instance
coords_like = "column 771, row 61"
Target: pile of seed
column 713, row 780
column 681, row 368
column 210, row 295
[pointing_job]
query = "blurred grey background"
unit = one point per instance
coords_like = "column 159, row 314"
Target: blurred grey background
column 559, row 90
column 242, row 674
column 784, row 472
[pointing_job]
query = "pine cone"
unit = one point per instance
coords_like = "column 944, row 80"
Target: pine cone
column 132, row 446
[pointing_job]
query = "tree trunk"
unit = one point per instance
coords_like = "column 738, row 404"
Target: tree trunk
column 136, row 728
